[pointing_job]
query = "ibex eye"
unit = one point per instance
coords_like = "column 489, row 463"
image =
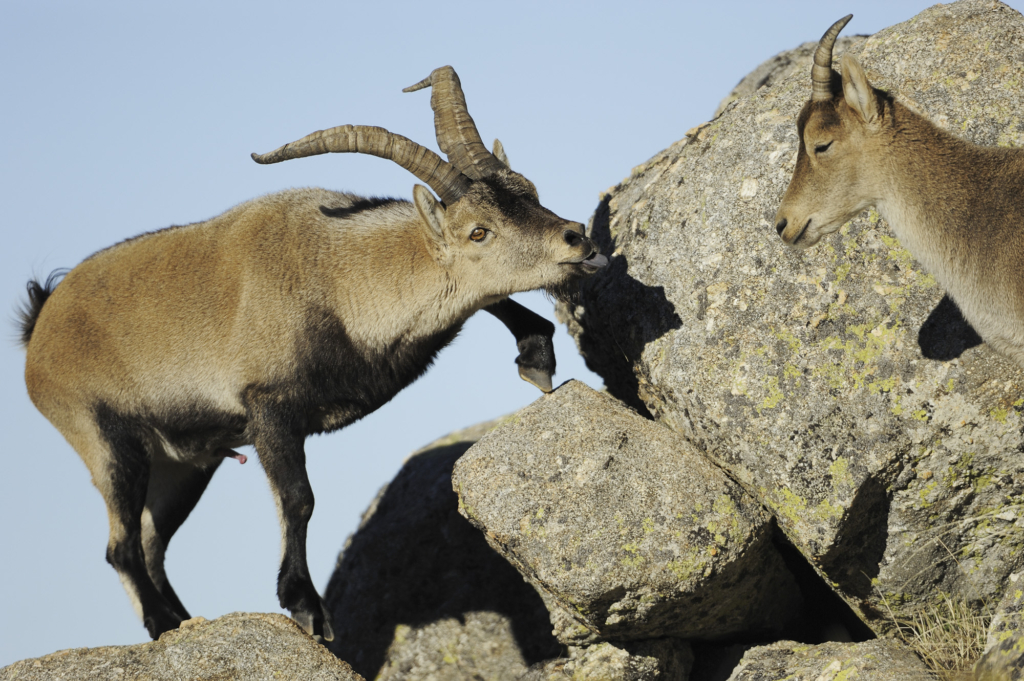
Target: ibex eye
column 821, row 148
column 478, row 234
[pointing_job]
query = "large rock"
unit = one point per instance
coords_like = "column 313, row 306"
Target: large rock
column 627, row 530
column 418, row 594
column 837, row 385
column 879, row 660
column 240, row 646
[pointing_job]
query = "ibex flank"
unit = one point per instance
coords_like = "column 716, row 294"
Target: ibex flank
column 957, row 207
column 291, row 314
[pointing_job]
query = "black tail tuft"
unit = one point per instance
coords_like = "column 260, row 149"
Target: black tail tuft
column 37, row 297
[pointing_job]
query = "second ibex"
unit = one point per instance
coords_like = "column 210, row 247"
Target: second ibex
column 957, row 207
column 292, row 314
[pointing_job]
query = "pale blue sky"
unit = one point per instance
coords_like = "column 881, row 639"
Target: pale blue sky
column 120, row 118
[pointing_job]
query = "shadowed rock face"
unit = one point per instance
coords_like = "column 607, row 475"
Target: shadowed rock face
column 625, row 529
column 837, row 385
column 239, row 646
column 418, row 593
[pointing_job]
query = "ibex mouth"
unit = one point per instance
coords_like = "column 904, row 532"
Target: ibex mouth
column 594, row 262
column 799, row 236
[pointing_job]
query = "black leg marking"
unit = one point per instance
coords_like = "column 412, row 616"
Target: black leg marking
column 174, row 490
column 124, row 491
column 279, row 434
column 533, row 335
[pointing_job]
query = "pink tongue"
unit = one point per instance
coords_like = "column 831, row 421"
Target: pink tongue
column 242, row 458
column 597, row 260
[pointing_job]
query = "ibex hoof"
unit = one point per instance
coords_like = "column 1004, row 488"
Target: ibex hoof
column 539, row 378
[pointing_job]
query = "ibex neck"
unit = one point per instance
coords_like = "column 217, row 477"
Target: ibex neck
column 933, row 189
column 392, row 289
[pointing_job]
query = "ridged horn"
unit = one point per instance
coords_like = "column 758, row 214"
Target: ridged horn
column 444, row 178
column 456, row 132
column 821, row 72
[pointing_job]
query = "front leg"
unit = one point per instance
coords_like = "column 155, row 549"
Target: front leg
column 533, row 335
column 279, row 439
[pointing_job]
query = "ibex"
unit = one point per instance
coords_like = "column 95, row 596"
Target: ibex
column 291, row 314
column 957, row 207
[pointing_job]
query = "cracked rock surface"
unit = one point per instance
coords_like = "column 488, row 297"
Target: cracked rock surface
column 626, row 530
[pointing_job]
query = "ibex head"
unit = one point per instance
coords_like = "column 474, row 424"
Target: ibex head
column 489, row 226
column 840, row 134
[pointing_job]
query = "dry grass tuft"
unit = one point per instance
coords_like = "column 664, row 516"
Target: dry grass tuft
column 949, row 637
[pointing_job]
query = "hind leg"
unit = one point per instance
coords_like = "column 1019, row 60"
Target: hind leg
column 118, row 459
column 173, row 491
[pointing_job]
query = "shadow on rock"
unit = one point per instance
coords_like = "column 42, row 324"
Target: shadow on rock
column 414, row 562
column 945, row 334
column 856, row 555
column 623, row 315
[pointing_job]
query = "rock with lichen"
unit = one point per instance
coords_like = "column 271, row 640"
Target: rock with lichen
column 662, row 659
column 625, row 529
column 879, row 660
column 839, row 385
column 418, row 594
column 1008, row 616
column 1004, row 661
column 242, row 646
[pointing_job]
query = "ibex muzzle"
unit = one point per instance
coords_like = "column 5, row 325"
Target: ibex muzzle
column 957, row 207
column 292, row 314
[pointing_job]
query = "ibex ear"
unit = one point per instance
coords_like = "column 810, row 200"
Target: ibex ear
column 499, row 153
column 432, row 213
column 860, row 96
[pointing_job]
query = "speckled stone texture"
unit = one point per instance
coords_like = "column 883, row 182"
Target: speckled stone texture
column 838, row 385
column 1008, row 616
column 657, row 660
column 880, row 660
column 418, row 594
column 239, row 646
column 1004, row 661
column 627, row 531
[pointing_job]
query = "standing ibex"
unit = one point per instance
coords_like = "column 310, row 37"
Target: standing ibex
column 292, row 314
column 957, row 207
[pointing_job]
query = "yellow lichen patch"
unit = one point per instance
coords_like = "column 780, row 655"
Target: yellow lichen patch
column 788, row 337
column 840, row 471
column 897, row 253
column 633, row 557
column 860, row 355
column 882, row 386
column 775, row 394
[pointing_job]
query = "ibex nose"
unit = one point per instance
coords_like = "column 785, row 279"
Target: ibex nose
column 781, row 226
column 573, row 238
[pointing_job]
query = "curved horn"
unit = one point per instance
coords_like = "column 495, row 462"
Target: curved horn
column 456, row 132
column 442, row 177
column 821, row 72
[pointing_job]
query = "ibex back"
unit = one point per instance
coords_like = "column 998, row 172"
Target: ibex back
column 292, row 314
column 957, row 207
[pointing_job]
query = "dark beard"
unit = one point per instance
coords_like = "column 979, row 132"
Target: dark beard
column 567, row 291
